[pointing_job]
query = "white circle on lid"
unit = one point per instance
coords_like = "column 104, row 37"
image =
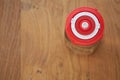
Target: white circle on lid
column 80, row 36
column 85, row 25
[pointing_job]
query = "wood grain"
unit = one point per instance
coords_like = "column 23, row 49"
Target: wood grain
column 44, row 53
column 32, row 45
column 10, row 40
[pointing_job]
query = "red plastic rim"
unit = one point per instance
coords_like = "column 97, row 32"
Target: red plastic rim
column 84, row 30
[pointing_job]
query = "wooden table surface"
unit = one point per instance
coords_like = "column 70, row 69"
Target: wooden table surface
column 32, row 45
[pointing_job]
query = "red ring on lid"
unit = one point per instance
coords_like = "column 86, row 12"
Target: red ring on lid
column 80, row 29
column 91, row 25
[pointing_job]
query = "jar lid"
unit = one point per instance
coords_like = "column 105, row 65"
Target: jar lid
column 84, row 26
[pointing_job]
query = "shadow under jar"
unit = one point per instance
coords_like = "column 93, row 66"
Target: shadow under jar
column 84, row 30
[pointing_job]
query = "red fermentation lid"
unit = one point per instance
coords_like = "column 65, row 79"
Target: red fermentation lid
column 84, row 26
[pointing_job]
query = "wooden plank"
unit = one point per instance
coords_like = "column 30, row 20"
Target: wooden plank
column 105, row 64
column 10, row 40
column 44, row 55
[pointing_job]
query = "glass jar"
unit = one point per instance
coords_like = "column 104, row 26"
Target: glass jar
column 84, row 30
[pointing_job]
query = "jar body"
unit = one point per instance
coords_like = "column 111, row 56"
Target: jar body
column 79, row 49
